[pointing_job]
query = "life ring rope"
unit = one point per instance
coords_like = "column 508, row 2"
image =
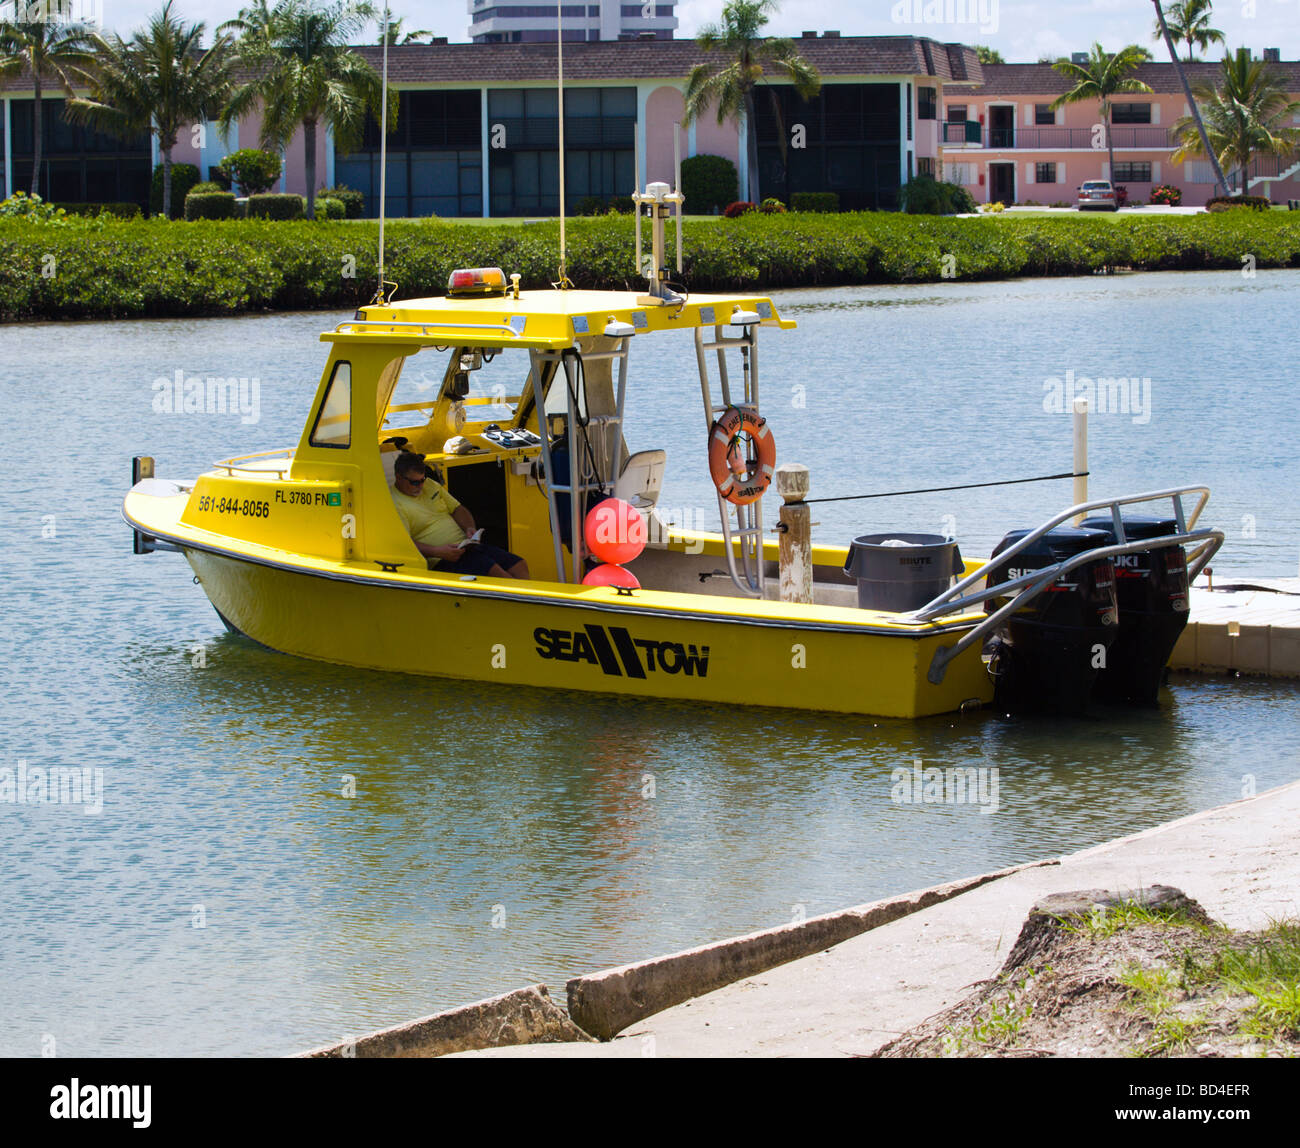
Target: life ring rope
column 737, row 479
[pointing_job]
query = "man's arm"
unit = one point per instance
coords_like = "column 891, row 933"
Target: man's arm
column 464, row 519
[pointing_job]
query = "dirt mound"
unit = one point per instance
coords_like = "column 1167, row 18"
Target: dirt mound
column 1145, row 973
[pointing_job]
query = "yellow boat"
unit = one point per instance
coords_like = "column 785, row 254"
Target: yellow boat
column 303, row 550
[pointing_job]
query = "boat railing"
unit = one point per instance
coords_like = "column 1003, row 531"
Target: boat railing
column 957, row 600
column 425, row 328
column 240, row 462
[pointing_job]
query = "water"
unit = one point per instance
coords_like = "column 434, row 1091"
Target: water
column 477, row 806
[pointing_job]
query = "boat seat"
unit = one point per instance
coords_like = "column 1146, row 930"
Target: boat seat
column 388, row 458
column 642, row 479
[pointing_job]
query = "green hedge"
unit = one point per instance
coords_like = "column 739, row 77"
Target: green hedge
column 209, row 205
column 184, row 177
column 327, row 207
column 354, row 202
column 276, row 205
column 111, row 268
column 826, row 201
column 709, row 183
column 120, row 210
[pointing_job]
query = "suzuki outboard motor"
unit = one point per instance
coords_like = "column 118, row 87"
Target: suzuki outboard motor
column 1151, row 590
column 1046, row 656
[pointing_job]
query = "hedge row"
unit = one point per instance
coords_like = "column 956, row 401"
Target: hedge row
column 152, row 268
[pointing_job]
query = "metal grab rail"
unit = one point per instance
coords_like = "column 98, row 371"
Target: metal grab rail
column 230, row 465
column 941, row 605
column 1039, row 580
column 424, row 327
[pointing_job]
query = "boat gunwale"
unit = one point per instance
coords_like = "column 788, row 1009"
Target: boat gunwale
column 912, row 630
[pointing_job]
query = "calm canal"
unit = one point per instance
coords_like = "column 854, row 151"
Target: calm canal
column 229, row 899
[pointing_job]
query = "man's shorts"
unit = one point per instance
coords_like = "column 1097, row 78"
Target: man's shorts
column 479, row 560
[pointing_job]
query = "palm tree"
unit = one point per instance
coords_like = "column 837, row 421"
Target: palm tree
column 1248, row 115
column 1163, row 27
column 160, row 82
column 306, row 75
column 731, row 87
column 395, row 34
column 39, row 42
column 1101, row 78
column 1189, row 21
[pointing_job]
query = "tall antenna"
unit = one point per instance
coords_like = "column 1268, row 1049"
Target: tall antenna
column 559, row 40
column 383, row 154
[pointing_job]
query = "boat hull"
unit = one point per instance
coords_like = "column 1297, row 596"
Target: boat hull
column 610, row 645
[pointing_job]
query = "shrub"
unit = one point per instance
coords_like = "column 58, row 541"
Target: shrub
column 219, row 177
column 1225, row 202
column 117, row 210
column 993, row 208
column 925, row 195
column 32, row 208
column 327, row 207
column 209, row 205
column 1166, row 194
column 184, row 177
column 354, row 202
column 206, row 186
column 622, row 204
column 709, row 183
column 815, row 201
column 251, row 169
column 742, row 207
column 591, row 205
column 772, row 206
column 1121, row 195
column 276, row 206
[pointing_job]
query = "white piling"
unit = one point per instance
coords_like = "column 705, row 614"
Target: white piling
column 1080, row 453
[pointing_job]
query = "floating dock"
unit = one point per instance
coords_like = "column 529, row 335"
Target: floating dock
column 1242, row 625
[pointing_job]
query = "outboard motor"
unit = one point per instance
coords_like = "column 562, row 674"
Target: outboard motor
column 1046, row 656
column 1151, row 589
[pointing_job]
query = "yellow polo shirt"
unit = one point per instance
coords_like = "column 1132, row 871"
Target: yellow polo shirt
column 428, row 516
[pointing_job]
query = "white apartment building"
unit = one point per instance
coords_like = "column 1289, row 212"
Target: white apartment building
column 505, row 22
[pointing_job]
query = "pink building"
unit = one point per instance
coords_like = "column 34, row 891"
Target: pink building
column 1006, row 143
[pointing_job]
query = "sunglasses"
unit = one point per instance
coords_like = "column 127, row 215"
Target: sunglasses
column 414, row 479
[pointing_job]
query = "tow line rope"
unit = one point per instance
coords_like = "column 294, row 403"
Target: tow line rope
column 940, row 489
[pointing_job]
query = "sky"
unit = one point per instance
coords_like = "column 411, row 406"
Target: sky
column 1022, row 30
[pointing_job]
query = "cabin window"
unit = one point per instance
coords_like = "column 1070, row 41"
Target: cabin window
column 334, row 421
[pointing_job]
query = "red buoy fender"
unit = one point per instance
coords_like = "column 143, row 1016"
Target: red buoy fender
column 737, row 482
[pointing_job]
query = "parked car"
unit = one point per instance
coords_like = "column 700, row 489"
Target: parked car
column 1099, row 193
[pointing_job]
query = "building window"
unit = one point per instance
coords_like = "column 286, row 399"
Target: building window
column 1130, row 113
column 962, row 174
column 927, row 104
column 925, row 165
column 1199, row 171
column 956, row 113
column 909, row 111
column 1045, row 173
column 1132, row 172
column 1044, row 115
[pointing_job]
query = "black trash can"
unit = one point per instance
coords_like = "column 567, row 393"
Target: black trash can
column 1046, row 656
column 1151, row 591
column 902, row 572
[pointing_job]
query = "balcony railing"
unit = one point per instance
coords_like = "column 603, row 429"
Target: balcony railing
column 1055, row 138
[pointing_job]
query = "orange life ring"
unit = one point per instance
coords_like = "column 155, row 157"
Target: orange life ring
column 737, row 481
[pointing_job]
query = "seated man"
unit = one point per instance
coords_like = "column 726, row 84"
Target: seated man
column 439, row 525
